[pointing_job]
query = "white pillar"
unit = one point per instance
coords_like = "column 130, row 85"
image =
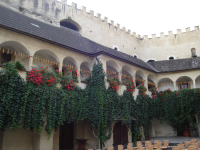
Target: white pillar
column 174, row 83
column 78, row 69
column 194, row 84
column 60, row 66
column 120, row 76
column 146, row 84
column 30, row 63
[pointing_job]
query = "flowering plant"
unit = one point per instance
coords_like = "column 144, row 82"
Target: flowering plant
column 154, row 92
column 35, row 77
column 67, row 82
column 114, row 83
column 168, row 91
column 43, row 76
column 130, row 86
column 58, row 74
column 142, row 89
column 75, row 76
column 163, row 94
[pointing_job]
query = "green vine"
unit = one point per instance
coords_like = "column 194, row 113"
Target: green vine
column 38, row 103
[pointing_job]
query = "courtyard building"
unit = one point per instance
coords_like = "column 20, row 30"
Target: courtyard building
column 55, row 34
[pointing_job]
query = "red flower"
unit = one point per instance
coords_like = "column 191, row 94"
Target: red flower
column 47, row 67
column 70, row 70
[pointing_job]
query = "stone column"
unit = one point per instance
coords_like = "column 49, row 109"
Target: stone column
column 146, row 83
column 78, row 68
column 120, row 76
column 194, row 84
column 174, row 83
column 40, row 141
column 30, row 63
column 60, row 66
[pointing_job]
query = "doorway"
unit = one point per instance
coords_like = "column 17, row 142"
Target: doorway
column 66, row 137
column 120, row 134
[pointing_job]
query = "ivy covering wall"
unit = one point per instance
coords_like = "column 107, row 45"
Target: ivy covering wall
column 23, row 104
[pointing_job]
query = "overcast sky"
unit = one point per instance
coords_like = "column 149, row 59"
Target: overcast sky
column 146, row 17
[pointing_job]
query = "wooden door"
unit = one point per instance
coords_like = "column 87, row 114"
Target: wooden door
column 120, row 134
column 66, row 138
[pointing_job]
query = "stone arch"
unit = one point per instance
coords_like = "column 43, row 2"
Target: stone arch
column 139, row 77
column 14, row 51
column 85, row 70
column 184, row 82
column 69, row 65
column 43, row 58
column 71, row 24
column 120, row 134
column 164, row 84
column 151, row 81
column 112, row 69
column 127, row 74
column 197, row 81
column 13, row 45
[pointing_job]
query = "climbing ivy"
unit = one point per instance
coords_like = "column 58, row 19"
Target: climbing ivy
column 39, row 103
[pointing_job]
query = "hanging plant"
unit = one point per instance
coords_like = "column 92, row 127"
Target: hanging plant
column 58, row 74
column 20, row 66
column 75, row 76
column 114, row 83
column 25, row 104
column 67, row 82
column 130, row 86
column 154, row 92
column 43, row 76
column 142, row 89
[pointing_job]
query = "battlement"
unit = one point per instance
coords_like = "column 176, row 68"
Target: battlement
column 171, row 34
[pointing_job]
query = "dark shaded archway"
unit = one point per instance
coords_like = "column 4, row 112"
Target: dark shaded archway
column 66, row 137
column 120, row 134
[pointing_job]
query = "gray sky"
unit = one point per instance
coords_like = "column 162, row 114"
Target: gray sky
column 146, row 17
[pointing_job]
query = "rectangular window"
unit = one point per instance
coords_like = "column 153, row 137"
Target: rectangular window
column 5, row 58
